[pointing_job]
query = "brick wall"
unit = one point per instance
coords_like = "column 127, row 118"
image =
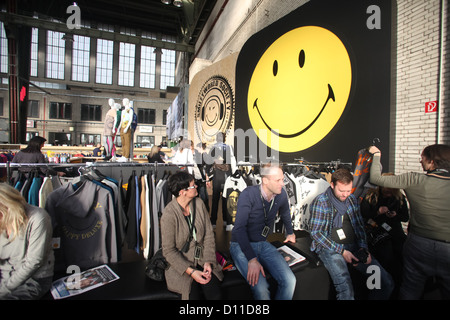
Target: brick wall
column 418, row 49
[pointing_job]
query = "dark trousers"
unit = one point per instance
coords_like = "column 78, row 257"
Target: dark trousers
column 203, row 192
column 390, row 255
column 424, row 258
column 218, row 183
column 209, row 291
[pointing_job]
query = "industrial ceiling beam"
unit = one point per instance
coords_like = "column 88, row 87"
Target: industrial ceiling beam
column 94, row 33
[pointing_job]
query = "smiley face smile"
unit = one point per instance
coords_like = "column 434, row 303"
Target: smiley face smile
column 293, row 135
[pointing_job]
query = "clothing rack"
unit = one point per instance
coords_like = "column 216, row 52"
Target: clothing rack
column 304, row 163
column 10, row 165
column 322, row 163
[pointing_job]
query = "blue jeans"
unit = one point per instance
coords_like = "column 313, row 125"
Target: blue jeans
column 424, row 258
column 337, row 267
column 273, row 262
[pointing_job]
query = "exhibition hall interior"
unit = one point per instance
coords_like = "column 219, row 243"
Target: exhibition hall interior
column 265, row 107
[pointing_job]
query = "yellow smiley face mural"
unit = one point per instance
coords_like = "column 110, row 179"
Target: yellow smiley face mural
column 299, row 89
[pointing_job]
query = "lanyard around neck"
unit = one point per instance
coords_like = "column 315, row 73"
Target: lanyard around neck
column 264, row 208
column 191, row 222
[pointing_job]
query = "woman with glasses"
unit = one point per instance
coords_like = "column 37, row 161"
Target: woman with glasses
column 188, row 243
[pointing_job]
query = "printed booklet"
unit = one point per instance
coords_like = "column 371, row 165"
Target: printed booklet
column 290, row 255
column 79, row 283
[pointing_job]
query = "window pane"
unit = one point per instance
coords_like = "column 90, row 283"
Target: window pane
column 146, row 116
column 33, row 109
column 126, row 64
column 148, row 67
column 34, row 52
column 55, row 55
column 91, row 112
column 167, row 68
column 3, row 49
column 80, row 58
column 104, row 66
column 87, row 138
column 60, row 110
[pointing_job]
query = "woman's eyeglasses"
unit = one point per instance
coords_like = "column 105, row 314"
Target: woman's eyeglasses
column 191, row 187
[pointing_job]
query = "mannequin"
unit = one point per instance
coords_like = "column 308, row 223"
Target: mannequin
column 115, row 129
column 108, row 130
column 133, row 129
column 126, row 133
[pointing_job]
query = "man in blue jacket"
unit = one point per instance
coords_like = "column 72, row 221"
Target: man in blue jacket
column 256, row 210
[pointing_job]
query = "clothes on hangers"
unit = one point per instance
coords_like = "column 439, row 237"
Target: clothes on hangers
column 307, row 189
column 301, row 184
column 93, row 215
column 149, row 224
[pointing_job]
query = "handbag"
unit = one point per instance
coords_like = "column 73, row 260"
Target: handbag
column 376, row 234
column 156, row 266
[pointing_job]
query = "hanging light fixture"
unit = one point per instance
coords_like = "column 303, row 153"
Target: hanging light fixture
column 166, row 1
column 178, row 3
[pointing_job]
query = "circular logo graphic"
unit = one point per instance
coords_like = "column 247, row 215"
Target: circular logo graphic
column 299, row 89
column 214, row 109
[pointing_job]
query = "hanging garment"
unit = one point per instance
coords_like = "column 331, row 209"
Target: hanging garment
column 45, row 190
column 307, row 190
column 145, row 219
column 160, row 196
column 118, row 210
column 232, row 188
column 289, row 187
column 130, row 209
column 122, row 220
column 26, row 186
column 33, row 193
column 83, row 225
column 138, row 214
column 361, row 174
column 155, row 216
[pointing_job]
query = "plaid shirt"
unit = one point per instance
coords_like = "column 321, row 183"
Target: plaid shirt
column 322, row 223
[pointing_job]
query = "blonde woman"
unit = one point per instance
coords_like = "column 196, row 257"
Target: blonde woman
column 26, row 255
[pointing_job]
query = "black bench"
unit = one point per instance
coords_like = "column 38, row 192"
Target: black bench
column 312, row 282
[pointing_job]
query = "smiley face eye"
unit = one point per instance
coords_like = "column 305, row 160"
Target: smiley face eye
column 301, row 59
column 275, row 67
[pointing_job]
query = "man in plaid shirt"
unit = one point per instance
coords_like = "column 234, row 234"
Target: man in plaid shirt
column 339, row 239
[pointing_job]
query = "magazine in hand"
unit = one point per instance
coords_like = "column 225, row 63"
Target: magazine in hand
column 78, row 283
column 290, row 255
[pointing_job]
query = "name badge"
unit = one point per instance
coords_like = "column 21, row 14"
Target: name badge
column 56, row 243
column 341, row 234
column 386, row 227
